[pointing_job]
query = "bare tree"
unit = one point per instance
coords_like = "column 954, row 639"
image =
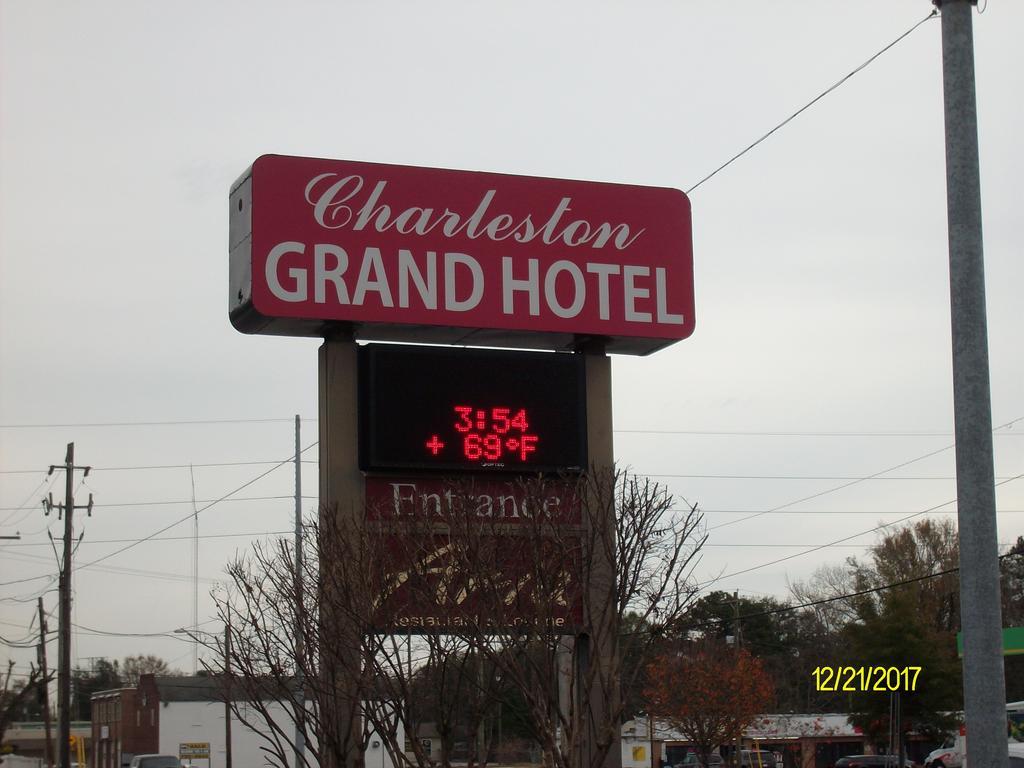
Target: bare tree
column 13, row 695
column 825, row 586
column 299, row 657
column 615, row 554
column 450, row 599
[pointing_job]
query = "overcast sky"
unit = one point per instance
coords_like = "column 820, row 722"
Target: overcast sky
column 821, row 355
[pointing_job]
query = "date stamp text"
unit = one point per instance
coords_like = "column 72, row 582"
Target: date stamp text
column 866, row 678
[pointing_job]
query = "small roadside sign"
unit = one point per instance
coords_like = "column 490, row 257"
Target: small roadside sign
column 194, row 750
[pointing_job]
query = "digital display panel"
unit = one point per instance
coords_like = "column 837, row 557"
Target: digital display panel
column 470, row 409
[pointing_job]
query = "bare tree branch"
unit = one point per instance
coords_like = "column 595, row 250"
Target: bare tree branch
column 451, row 599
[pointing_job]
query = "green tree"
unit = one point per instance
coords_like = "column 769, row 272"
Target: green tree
column 920, row 551
column 1013, row 585
column 762, row 627
column 1013, row 615
column 134, row 667
column 898, row 636
column 922, row 557
column 104, row 676
column 786, row 641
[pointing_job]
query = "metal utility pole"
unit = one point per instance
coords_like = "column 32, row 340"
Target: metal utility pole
column 64, row 617
column 300, row 682
column 900, row 750
column 981, row 620
column 195, row 574
column 44, row 684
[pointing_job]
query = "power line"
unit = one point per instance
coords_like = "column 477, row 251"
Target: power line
column 45, row 483
column 160, row 466
column 171, row 633
column 852, row 481
column 753, row 513
column 29, row 598
column 197, row 512
column 811, row 478
column 845, row 485
column 811, row 103
column 750, row 433
column 787, row 546
column 21, row 644
column 250, row 535
column 839, row 541
column 187, row 501
column 90, row 631
column 120, row 571
column 869, row 591
column 51, row 576
column 876, row 513
column 255, row 534
column 170, row 422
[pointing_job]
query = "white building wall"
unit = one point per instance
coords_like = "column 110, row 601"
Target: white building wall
column 201, row 721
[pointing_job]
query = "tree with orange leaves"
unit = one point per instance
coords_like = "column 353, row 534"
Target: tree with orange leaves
column 708, row 693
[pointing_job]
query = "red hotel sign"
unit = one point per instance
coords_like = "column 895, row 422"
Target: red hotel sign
column 401, row 253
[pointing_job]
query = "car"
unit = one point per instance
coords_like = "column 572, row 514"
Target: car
column 155, row 761
column 872, row 761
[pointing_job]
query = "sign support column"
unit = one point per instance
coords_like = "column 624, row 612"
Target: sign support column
column 595, row 665
column 341, row 494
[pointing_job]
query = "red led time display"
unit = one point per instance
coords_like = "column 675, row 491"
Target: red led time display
column 489, row 434
column 454, row 409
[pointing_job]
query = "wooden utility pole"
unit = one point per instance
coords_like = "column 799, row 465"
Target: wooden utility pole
column 229, row 695
column 44, row 683
column 64, row 618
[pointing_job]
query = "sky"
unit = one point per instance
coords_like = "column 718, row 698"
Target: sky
column 815, row 391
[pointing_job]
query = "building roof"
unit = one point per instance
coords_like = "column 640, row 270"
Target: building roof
column 212, row 688
column 111, row 692
column 190, row 688
column 766, row 727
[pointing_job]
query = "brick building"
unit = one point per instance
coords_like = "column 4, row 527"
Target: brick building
column 125, row 722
